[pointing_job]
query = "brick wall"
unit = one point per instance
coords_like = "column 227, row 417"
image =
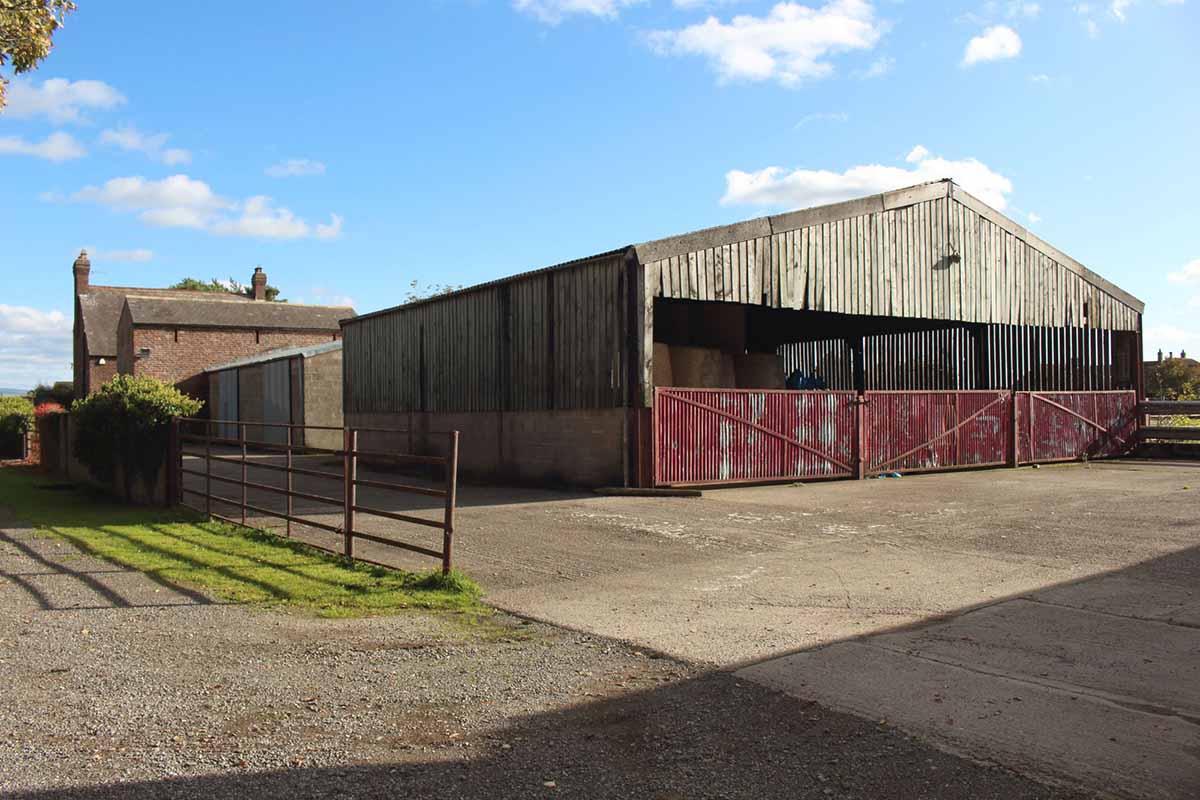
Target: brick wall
column 180, row 355
column 99, row 374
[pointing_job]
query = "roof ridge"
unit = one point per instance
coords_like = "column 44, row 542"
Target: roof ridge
column 261, row 304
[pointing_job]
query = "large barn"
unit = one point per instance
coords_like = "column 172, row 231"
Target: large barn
column 916, row 329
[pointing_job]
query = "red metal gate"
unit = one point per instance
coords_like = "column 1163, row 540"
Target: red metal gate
column 731, row 435
column 715, row 436
column 922, row 431
column 1065, row 426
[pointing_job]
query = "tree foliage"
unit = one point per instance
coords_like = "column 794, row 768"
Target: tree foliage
column 127, row 422
column 27, row 33
column 227, row 287
column 16, row 417
column 1173, row 379
column 62, row 393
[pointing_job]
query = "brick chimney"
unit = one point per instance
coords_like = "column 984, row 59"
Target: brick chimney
column 259, row 281
column 82, row 269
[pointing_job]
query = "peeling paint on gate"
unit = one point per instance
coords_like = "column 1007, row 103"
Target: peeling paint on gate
column 728, row 435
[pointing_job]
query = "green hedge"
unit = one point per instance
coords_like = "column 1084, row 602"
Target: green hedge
column 16, row 417
column 127, row 422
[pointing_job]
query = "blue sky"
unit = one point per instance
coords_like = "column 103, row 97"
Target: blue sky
column 352, row 148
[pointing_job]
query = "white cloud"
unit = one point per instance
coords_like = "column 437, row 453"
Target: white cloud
column 993, row 10
column 1039, row 77
column 823, row 116
column 1188, row 273
column 876, row 69
column 994, row 44
column 35, row 346
column 553, row 12
column 57, row 146
column 328, row 297
column 128, row 137
column 1171, row 339
column 139, row 255
column 262, row 220
column 58, row 99
column 331, row 231
column 917, row 154
column 792, row 44
column 1119, row 7
column 802, row 188
column 179, row 201
column 1033, row 218
column 293, row 167
column 137, row 193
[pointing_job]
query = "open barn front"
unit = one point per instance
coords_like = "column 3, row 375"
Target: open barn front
column 751, row 394
column 912, row 330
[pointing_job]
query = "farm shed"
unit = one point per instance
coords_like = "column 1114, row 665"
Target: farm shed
column 291, row 386
column 915, row 329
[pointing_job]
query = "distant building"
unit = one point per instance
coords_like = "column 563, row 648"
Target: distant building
column 175, row 335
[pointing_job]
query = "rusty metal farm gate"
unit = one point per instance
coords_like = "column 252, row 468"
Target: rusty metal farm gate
column 717, row 436
column 242, row 472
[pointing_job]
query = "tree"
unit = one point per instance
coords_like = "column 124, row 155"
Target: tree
column 1173, row 379
column 228, row 287
column 27, row 33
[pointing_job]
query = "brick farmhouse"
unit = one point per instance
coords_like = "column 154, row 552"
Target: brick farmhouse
column 175, row 335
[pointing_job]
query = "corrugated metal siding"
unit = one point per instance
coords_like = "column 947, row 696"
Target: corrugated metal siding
column 548, row 340
column 1062, row 426
column 719, row 435
column 913, row 431
column 897, row 263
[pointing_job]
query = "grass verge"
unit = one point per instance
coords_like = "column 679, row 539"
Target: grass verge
column 233, row 563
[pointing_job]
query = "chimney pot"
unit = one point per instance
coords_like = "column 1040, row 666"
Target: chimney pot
column 82, row 269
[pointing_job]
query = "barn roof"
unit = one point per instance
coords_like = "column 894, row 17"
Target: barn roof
column 724, row 235
column 280, row 353
column 193, row 312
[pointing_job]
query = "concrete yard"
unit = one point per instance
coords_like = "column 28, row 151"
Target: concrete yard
column 1047, row 619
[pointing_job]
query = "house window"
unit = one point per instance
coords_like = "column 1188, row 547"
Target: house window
column 257, row 336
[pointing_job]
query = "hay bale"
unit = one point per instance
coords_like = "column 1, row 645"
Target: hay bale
column 663, row 374
column 759, row 371
column 702, row 368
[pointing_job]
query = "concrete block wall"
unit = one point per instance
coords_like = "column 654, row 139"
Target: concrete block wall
column 322, row 404
column 579, row 447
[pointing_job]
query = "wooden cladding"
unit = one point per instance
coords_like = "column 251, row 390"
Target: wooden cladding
column 938, row 259
column 549, row 340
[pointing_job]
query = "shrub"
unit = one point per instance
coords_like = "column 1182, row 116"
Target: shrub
column 16, row 417
column 126, row 421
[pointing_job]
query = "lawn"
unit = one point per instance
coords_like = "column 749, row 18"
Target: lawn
column 233, row 563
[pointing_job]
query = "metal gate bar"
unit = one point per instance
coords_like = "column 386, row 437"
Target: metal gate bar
column 350, row 482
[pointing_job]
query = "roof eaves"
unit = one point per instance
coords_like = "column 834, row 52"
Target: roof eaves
column 520, row 276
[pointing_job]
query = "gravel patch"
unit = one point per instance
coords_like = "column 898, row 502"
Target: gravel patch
column 117, row 686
